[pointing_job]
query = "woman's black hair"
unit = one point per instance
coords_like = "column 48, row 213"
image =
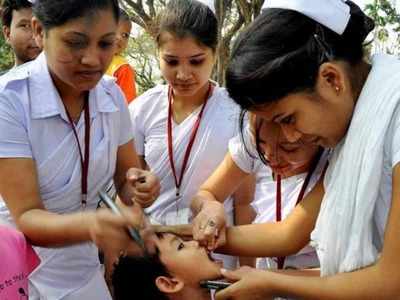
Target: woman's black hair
column 258, row 123
column 134, row 277
column 53, row 13
column 188, row 18
column 281, row 51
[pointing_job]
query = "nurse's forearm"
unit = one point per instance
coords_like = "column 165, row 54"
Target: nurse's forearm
column 48, row 229
column 277, row 239
column 373, row 282
column 261, row 240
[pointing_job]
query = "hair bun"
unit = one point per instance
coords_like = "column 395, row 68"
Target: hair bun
column 360, row 24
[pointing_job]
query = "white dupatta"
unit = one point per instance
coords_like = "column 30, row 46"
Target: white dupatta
column 343, row 235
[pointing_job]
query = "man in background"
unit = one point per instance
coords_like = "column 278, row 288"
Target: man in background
column 16, row 18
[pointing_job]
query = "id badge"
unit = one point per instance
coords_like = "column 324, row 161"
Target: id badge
column 177, row 217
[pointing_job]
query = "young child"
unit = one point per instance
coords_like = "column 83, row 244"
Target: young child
column 173, row 272
column 18, row 260
column 120, row 67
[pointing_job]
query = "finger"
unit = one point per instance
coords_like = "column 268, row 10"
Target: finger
column 146, row 183
column 210, row 228
column 144, row 199
column 226, row 294
column 144, row 202
column 220, row 238
column 211, row 242
column 133, row 174
column 198, row 235
column 232, row 290
column 233, row 276
column 134, row 214
column 211, row 232
column 199, row 224
column 208, row 241
column 143, row 196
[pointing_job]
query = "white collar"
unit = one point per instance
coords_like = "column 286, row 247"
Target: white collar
column 45, row 100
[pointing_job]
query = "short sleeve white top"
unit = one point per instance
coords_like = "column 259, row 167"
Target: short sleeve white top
column 34, row 125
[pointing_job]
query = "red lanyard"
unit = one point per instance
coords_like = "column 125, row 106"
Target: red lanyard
column 195, row 128
column 281, row 260
column 84, row 160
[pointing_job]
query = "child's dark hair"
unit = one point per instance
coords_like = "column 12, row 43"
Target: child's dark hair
column 53, row 13
column 281, row 51
column 188, row 18
column 134, row 277
column 7, row 8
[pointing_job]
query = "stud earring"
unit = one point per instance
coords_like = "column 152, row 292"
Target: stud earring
column 337, row 89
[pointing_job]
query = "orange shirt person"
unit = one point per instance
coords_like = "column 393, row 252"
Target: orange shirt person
column 119, row 67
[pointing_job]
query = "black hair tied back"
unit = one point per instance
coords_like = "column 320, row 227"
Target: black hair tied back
column 360, row 25
column 281, row 51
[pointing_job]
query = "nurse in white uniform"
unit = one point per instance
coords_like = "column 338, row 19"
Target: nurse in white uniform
column 320, row 90
column 64, row 134
column 182, row 129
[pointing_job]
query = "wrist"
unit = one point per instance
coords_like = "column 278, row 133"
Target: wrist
column 272, row 288
column 197, row 204
column 126, row 193
column 88, row 219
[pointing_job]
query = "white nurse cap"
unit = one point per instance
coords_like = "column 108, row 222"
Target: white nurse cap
column 209, row 3
column 333, row 14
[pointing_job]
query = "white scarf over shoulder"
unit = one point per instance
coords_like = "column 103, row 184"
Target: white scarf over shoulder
column 343, row 235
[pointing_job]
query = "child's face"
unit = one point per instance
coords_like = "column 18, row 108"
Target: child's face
column 186, row 260
column 123, row 34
